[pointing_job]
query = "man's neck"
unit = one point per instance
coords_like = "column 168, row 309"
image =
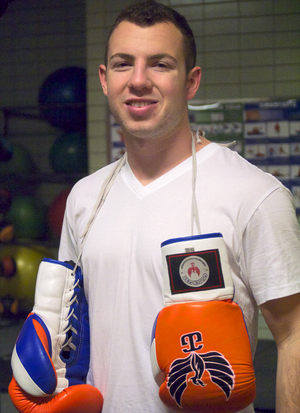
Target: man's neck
column 151, row 158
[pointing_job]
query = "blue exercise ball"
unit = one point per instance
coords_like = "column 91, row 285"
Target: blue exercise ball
column 62, row 98
column 6, row 150
column 69, row 153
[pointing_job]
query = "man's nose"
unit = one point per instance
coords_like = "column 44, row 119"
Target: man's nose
column 140, row 77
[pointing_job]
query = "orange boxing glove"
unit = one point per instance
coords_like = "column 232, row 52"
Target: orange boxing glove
column 79, row 398
column 200, row 351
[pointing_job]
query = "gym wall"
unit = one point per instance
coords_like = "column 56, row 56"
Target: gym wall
column 38, row 37
column 247, row 49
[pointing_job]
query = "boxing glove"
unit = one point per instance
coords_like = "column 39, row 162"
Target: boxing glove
column 50, row 359
column 200, row 351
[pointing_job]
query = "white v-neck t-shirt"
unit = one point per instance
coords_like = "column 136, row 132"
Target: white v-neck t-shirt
column 122, row 263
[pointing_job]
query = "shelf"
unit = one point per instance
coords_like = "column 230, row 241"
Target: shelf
column 38, row 178
column 33, row 113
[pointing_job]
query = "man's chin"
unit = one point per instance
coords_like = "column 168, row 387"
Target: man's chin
column 141, row 133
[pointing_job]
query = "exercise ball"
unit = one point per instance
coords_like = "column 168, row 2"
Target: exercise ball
column 56, row 212
column 5, row 201
column 69, row 153
column 20, row 161
column 27, row 217
column 21, row 285
column 6, row 150
column 9, row 306
column 7, row 232
column 62, row 98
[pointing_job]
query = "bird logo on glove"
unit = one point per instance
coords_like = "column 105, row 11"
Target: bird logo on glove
column 214, row 362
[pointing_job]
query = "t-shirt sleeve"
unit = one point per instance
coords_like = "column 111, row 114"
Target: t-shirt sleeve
column 271, row 244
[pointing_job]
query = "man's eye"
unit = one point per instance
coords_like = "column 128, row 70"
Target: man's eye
column 121, row 65
column 162, row 65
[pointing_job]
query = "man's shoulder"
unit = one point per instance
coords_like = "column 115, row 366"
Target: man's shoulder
column 85, row 191
column 236, row 179
column 236, row 167
column 95, row 179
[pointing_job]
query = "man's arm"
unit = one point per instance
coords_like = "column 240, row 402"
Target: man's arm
column 282, row 316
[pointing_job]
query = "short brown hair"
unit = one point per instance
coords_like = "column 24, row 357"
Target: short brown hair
column 147, row 13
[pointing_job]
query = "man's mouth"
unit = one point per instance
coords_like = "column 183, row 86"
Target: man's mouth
column 140, row 104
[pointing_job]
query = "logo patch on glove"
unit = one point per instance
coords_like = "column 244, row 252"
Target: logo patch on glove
column 192, row 368
column 194, row 271
column 197, row 272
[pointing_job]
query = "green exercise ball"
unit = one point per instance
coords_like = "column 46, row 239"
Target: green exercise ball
column 69, row 153
column 20, row 161
column 27, row 217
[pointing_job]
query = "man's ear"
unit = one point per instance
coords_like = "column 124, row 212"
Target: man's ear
column 193, row 82
column 102, row 77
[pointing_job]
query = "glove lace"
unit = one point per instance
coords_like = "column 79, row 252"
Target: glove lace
column 67, row 345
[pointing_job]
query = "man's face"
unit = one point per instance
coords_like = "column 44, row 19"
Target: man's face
column 146, row 81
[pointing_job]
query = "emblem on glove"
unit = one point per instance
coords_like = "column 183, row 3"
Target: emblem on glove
column 214, row 362
column 197, row 272
column 194, row 271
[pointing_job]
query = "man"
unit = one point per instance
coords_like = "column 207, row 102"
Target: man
column 149, row 76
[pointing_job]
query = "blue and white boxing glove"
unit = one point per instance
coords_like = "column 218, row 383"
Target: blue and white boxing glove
column 51, row 356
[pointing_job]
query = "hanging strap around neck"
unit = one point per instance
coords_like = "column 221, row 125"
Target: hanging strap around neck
column 195, row 213
column 105, row 188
